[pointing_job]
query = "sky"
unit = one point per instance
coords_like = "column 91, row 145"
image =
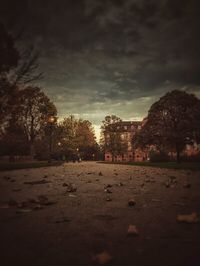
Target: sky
column 102, row 57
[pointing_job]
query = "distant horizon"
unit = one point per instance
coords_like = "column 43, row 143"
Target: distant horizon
column 97, row 126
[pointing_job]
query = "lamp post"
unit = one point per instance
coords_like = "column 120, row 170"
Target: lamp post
column 51, row 121
column 77, row 154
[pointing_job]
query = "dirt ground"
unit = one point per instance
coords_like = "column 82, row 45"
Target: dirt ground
column 69, row 214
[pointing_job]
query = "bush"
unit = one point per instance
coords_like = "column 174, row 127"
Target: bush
column 155, row 156
column 191, row 158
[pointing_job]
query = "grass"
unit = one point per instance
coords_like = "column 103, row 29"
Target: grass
column 24, row 165
column 194, row 166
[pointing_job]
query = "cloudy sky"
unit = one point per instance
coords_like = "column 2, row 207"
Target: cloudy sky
column 103, row 57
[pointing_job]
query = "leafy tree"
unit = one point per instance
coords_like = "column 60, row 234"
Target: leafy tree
column 74, row 137
column 109, row 119
column 172, row 122
column 13, row 141
column 32, row 111
column 114, row 143
column 16, row 68
column 111, row 140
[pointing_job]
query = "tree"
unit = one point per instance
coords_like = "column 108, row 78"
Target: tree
column 32, row 111
column 111, row 139
column 109, row 119
column 172, row 122
column 9, row 56
column 16, row 69
column 13, row 141
column 75, row 137
column 26, row 70
column 114, row 143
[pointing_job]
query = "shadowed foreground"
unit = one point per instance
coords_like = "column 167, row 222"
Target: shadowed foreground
column 66, row 215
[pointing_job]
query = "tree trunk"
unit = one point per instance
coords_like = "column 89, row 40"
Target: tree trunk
column 178, row 160
column 32, row 150
column 112, row 158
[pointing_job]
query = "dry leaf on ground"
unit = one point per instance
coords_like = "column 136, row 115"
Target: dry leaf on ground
column 132, row 230
column 102, row 258
column 188, row 218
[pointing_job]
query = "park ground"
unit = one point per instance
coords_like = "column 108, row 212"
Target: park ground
column 67, row 215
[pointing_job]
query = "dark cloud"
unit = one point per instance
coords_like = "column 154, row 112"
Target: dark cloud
column 112, row 56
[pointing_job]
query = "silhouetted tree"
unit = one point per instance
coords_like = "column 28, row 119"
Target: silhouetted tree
column 111, row 139
column 16, row 69
column 13, row 140
column 172, row 122
column 9, row 56
column 26, row 71
column 109, row 119
column 75, row 137
column 32, row 111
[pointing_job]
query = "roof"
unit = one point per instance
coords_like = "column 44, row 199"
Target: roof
column 124, row 126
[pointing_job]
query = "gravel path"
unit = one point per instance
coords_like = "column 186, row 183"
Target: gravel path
column 69, row 214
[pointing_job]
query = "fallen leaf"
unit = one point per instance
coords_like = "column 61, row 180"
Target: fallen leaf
column 102, row 258
column 179, row 203
column 108, row 185
column 16, row 189
column 71, row 188
column 107, row 190
column 72, row 195
column 108, row 199
column 37, row 207
column 23, row 210
column 131, row 203
column 187, row 185
column 167, row 184
column 188, row 218
column 132, row 230
column 63, row 220
column 156, row 200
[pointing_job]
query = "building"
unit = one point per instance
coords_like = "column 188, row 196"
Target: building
column 118, row 142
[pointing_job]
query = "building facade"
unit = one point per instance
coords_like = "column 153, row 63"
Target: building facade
column 118, row 142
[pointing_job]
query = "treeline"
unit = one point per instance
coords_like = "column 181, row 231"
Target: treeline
column 28, row 119
column 72, row 139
